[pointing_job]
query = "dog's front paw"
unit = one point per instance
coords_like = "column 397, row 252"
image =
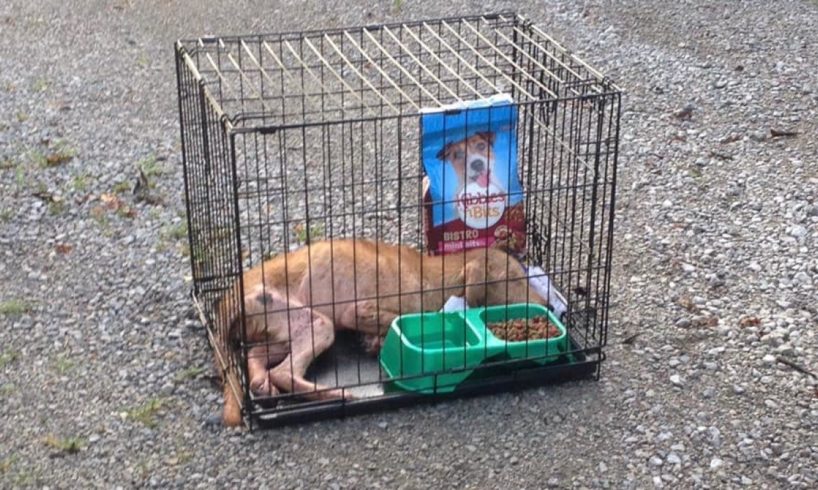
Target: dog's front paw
column 372, row 344
column 261, row 386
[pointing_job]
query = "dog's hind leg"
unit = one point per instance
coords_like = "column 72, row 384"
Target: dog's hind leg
column 260, row 359
column 308, row 341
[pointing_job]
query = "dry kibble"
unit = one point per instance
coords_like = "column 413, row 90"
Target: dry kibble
column 516, row 330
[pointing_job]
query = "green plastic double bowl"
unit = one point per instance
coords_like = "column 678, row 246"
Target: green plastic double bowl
column 434, row 352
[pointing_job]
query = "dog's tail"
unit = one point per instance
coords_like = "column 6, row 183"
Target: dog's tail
column 228, row 322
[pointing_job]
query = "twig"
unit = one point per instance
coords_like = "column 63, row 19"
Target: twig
column 774, row 133
column 801, row 369
column 631, row 339
column 720, row 155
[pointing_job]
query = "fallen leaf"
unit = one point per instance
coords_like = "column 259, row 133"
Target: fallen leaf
column 97, row 212
column 57, row 159
column 111, row 201
column 687, row 303
column 63, row 248
column 749, row 321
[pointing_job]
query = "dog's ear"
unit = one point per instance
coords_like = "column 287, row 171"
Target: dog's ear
column 486, row 135
column 444, row 152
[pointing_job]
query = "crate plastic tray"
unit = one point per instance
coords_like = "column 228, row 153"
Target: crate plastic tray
column 434, row 352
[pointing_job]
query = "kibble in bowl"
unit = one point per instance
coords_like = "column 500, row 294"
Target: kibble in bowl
column 520, row 329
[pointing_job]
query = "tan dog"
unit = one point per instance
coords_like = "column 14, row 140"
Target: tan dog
column 294, row 303
column 472, row 160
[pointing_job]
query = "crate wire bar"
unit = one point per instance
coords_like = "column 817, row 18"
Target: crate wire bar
column 295, row 136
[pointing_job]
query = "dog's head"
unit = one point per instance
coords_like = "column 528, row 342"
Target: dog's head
column 471, row 158
column 493, row 277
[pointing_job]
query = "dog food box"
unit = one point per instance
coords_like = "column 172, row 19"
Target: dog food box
column 472, row 194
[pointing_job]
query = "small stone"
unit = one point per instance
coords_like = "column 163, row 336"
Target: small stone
column 715, row 436
column 673, row 458
column 682, row 323
column 746, row 481
column 768, row 359
column 513, row 460
column 770, row 404
column 93, row 438
column 667, row 203
column 716, row 463
column 738, row 389
column 798, row 231
column 715, row 351
column 656, row 461
column 676, row 379
column 383, row 425
column 720, row 84
column 470, row 448
column 688, row 267
column 802, row 278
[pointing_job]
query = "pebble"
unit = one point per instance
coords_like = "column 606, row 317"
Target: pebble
column 798, row 231
column 673, row 458
column 716, row 463
column 683, row 322
column 676, row 379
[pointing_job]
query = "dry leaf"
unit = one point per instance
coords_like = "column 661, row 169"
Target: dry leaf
column 749, row 321
column 687, row 303
column 97, row 212
column 111, row 201
column 56, row 159
column 63, row 248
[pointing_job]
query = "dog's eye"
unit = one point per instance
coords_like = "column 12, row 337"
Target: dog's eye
column 481, row 146
column 460, row 154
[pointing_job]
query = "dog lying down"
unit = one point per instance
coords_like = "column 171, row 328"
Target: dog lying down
column 294, row 302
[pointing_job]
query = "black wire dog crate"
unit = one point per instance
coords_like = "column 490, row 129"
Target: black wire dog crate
column 296, row 139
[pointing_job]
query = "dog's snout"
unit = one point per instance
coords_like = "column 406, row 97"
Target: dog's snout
column 478, row 165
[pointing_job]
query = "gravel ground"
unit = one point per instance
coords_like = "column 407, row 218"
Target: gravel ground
column 104, row 374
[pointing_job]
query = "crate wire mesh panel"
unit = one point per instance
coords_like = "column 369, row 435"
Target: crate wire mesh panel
column 295, row 137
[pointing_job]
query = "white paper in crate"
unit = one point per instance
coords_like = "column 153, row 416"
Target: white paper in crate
column 539, row 282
